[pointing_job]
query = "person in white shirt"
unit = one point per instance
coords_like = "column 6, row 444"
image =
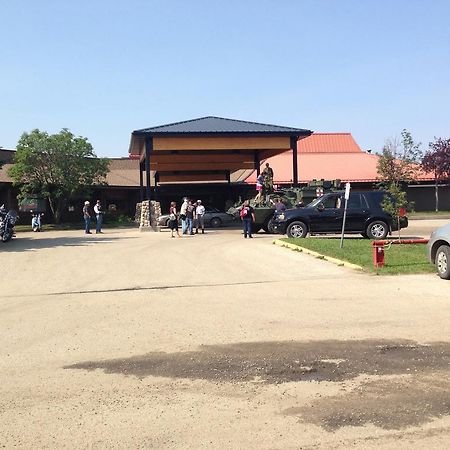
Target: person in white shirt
column 199, row 217
column 98, row 210
column 183, row 210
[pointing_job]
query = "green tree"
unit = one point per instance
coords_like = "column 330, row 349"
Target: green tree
column 56, row 166
column 437, row 161
column 397, row 166
column 400, row 160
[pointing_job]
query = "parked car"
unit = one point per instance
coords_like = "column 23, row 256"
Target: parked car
column 325, row 215
column 438, row 249
column 213, row 218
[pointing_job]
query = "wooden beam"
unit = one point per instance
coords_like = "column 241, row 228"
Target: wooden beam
column 220, row 143
column 264, row 154
column 209, row 158
column 190, row 167
column 169, row 178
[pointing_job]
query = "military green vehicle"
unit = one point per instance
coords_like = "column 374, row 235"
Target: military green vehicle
column 291, row 197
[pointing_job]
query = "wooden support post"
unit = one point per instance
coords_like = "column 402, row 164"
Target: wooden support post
column 141, row 181
column 257, row 163
column 294, row 160
column 148, row 151
column 229, row 185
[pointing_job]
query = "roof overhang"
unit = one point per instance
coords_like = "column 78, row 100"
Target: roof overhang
column 211, row 144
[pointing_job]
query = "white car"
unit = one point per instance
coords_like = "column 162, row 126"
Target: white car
column 213, row 218
column 438, row 248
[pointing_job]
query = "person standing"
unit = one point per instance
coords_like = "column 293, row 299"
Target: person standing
column 87, row 218
column 279, row 205
column 247, row 217
column 173, row 219
column 183, row 215
column 190, row 211
column 259, row 187
column 98, row 210
column 268, row 179
column 199, row 217
column 268, row 172
column 36, row 221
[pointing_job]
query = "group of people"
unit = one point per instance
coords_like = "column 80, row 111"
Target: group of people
column 191, row 214
column 87, row 216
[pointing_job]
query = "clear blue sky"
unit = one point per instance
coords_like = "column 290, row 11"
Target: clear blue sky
column 104, row 68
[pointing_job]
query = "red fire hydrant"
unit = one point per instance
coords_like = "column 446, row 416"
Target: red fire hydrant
column 378, row 253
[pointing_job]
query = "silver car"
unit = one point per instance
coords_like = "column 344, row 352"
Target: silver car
column 213, row 218
column 438, row 249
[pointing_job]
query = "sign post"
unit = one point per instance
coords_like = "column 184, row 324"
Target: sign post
column 346, row 196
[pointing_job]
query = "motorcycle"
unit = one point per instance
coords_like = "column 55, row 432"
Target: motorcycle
column 7, row 221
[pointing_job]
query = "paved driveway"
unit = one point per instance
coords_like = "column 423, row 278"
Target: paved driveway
column 137, row 340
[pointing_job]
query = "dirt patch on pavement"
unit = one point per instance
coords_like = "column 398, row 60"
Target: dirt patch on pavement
column 412, row 386
column 279, row 362
column 391, row 404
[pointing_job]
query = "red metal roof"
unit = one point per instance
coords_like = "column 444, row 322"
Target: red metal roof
column 329, row 143
column 329, row 156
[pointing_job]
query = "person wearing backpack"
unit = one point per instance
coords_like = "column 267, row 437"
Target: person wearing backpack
column 247, row 217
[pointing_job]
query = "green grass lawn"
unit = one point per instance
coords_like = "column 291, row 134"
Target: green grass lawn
column 399, row 259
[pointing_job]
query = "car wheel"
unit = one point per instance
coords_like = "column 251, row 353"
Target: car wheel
column 297, row 230
column 377, row 230
column 215, row 222
column 270, row 226
column 443, row 262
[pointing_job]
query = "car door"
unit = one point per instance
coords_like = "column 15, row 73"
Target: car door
column 357, row 211
column 328, row 214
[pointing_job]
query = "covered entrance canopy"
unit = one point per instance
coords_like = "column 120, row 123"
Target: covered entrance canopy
column 209, row 149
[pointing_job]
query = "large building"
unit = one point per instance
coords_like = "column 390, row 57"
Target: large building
column 319, row 156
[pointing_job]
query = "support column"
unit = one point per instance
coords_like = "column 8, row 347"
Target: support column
column 229, row 184
column 148, row 151
column 294, row 160
column 156, row 189
column 141, row 182
column 257, row 163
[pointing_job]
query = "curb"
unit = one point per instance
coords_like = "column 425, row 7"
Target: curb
column 298, row 248
column 431, row 217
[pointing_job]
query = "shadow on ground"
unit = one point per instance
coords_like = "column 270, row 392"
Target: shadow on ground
column 26, row 244
column 411, row 387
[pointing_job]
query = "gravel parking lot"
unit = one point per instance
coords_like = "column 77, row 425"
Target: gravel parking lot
column 136, row 340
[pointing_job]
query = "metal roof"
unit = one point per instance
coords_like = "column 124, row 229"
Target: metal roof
column 329, row 143
column 221, row 125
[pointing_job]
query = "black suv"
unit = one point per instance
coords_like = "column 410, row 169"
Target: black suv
column 325, row 215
